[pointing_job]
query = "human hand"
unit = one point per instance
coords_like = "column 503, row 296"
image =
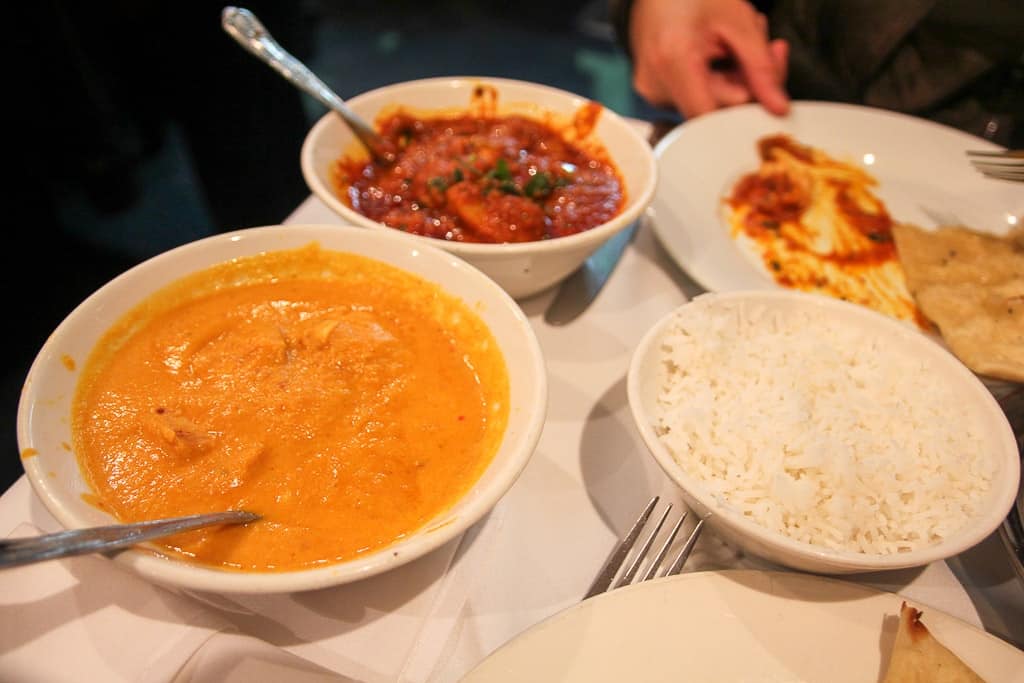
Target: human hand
column 679, row 46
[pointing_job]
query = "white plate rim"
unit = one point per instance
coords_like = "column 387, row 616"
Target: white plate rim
column 765, row 599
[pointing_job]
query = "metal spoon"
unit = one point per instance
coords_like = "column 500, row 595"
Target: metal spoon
column 19, row 551
column 244, row 27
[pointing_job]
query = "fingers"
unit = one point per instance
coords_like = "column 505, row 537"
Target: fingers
column 690, row 88
column 757, row 60
column 780, row 53
column 762, row 22
column 680, row 48
column 728, row 88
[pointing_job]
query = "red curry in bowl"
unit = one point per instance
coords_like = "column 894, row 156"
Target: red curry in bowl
column 481, row 177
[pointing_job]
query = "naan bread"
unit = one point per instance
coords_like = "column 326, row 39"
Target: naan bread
column 917, row 657
column 971, row 286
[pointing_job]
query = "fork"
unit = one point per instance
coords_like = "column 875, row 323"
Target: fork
column 610, row 578
column 1004, row 165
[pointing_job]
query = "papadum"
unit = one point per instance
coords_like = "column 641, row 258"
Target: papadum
column 971, row 286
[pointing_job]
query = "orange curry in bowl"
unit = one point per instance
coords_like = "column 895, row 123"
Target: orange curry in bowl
column 485, row 177
column 346, row 401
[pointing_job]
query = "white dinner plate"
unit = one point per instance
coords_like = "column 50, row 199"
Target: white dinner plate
column 923, row 174
column 733, row 626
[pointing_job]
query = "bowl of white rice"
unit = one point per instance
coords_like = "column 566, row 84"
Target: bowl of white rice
column 821, row 435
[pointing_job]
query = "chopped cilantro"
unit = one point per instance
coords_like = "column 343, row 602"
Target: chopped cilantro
column 541, row 184
column 502, row 171
column 538, row 186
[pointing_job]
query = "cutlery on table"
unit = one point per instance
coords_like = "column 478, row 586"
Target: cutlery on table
column 1003, row 165
column 612, row 574
column 20, row 551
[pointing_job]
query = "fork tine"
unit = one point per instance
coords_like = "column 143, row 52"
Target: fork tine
column 1017, row 167
column 1001, row 165
column 998, row 168
column 663, row 551
column 1003, row 175
column 1007, row 163
column 999, row 154
column 1011, row 162
column 998, row 172
column 627, row 576
column 603, row 580
column 684, row 554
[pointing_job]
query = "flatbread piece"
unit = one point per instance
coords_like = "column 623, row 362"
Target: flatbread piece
column 971, row 286
column 917, row 657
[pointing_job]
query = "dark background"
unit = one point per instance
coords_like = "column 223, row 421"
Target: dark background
column 139, row 126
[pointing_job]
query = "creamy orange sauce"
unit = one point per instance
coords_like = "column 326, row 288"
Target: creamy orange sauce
column 28, row 453
column 345, row 401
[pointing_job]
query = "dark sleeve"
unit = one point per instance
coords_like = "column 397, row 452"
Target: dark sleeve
column 939, row 59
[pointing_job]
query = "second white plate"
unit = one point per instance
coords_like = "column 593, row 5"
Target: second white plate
column 733, row 626
column 923, row 174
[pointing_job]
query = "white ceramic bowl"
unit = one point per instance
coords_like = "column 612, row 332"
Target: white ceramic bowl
column 521, row 269
column 44, row 409
column 974, row 402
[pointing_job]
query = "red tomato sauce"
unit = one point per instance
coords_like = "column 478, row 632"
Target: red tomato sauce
column 482, row 179
column 779, row 198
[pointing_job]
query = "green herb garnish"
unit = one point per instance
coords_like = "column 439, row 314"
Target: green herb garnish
column 542, row 184
column 539, row 185
column 500, row 171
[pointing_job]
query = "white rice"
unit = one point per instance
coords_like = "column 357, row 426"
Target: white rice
column 828, row 434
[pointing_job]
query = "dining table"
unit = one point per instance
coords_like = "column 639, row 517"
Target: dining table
column 437, row 617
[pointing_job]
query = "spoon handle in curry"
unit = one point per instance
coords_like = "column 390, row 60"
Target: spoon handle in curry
column 21, row 551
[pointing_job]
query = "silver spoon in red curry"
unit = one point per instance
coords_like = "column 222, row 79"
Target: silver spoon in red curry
column 244, row 27
column 479, row 176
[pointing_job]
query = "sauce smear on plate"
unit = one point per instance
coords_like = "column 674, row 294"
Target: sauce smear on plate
column 817, row 226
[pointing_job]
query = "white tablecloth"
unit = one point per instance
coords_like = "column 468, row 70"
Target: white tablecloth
column 431, row 620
